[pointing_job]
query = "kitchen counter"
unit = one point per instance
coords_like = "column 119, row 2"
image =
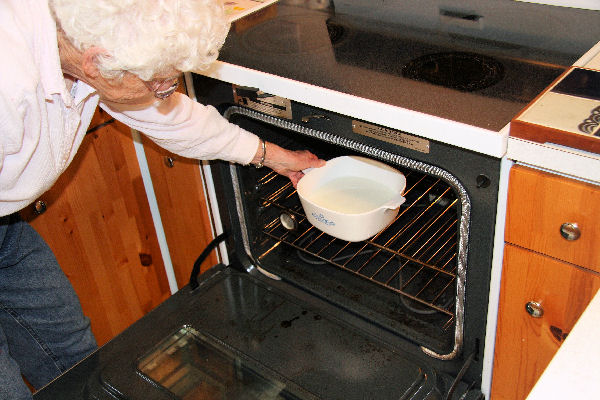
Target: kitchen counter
column 573, row 372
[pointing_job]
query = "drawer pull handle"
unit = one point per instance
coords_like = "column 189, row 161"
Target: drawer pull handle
column 169, row 161
column 570, row 231
column 534, row 309
column 40, row 207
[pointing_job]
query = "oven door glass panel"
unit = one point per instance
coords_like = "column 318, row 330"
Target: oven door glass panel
column 192, row 367
column 238, row 336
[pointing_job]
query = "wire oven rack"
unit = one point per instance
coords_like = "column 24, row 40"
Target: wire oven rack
column 415, row 256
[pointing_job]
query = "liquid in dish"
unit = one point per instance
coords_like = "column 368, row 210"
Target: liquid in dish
column 351, row 195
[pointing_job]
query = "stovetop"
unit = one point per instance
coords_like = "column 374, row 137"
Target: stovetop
column 476, row 81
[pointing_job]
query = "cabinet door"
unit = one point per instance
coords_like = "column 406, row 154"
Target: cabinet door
column 540, row 204
column 183, row 209
column 99, row 226
column 533, row 283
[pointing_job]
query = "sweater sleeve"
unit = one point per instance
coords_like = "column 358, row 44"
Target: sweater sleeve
column 189, row 129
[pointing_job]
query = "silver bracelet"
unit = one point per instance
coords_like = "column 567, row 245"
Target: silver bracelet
column 261, row 163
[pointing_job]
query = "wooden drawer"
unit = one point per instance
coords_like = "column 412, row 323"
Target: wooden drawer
column 525, row 344
column 539, row 203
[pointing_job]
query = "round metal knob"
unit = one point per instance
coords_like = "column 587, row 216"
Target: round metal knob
column 534, row 309
column 40, row 207
column 169, row 162
column 288, row 221
column 483, row 181
column 570, row 231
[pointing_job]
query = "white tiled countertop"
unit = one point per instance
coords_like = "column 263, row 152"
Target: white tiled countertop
column 573, row 372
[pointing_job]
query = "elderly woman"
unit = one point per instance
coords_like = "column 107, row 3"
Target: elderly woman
column 63, row 58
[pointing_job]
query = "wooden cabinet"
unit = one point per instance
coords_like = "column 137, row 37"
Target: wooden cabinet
column 98, row 223
column 525, row 344
column 183, row 208
column 547, row 280
column 99, row 226
column 540, row 204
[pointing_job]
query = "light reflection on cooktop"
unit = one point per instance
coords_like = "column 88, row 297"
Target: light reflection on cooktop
column 294, row 34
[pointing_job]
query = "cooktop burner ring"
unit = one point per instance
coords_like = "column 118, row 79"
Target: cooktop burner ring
column 463, row 71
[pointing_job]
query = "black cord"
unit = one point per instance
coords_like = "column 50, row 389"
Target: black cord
column 460, row 375
column 210, row 247
column 102, row 125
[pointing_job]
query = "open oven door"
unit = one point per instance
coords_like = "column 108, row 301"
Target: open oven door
column 240, row 336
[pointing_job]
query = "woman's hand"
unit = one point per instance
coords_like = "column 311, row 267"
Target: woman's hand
column 287, row 162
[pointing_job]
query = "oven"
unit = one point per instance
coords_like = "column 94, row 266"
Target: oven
column 296, row 313
column 422, row 283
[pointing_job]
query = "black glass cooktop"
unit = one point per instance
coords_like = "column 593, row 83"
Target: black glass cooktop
column 480, row 82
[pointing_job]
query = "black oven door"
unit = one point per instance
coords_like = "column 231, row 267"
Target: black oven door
column 244, row 336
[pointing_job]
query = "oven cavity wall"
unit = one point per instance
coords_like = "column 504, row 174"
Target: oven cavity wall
column 478, row 174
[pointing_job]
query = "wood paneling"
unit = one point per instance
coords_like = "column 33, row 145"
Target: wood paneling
column 539, row 203
column 524, row 344
column 98, row 224
column 182, row 204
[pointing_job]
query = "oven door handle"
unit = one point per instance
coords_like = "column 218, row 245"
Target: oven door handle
column 210, row 247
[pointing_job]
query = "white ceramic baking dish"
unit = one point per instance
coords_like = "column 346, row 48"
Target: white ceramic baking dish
column 352, row 198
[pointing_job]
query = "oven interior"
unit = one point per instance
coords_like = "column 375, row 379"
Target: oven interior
column 404, row 278
column 342, row 321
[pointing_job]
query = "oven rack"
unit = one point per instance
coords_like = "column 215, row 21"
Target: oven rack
column 415, row 256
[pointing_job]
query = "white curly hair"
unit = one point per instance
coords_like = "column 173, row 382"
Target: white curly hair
column 145, row 37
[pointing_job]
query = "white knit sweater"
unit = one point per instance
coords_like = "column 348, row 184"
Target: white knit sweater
column 42, row 124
